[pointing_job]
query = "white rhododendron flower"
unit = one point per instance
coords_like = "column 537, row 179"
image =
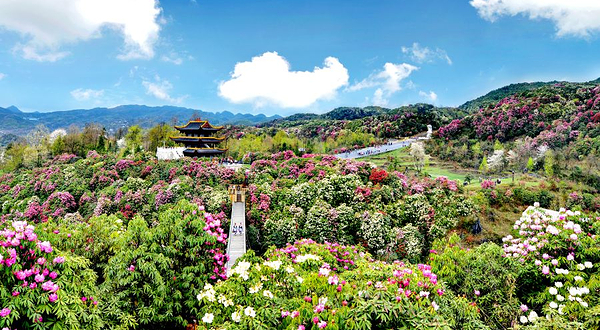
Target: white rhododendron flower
column 249, row 311
column 268, row 294
column 532, row 316
column 273, row 264
column 236, row 317
column 208, row 318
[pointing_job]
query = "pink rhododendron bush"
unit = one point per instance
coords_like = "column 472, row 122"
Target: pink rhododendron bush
column 559, row 255
column 309, row 285
column 41, row 288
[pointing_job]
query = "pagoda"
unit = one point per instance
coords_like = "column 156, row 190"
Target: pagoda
column 199, row 140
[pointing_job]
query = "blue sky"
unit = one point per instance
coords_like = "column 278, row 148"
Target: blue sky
column 283, row 57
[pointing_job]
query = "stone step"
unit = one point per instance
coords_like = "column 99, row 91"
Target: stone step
column 236, row 245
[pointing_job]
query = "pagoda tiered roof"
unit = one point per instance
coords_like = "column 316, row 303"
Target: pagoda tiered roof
column 199, row 125
column 196, row 136
column 197, row 139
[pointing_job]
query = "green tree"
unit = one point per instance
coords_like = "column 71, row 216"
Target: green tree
column 73, row 143
column 133, row 138
column 549, row 163
column 101, row 147
column 15, row 155
column 91, row 136
column 483, row 167
column 530, row 164
column 476, row 149
column 159, row 135
column 58, row 146
column 498, row 145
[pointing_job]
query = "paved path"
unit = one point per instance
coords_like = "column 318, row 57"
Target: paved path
column 236, row 245
column 370, row 151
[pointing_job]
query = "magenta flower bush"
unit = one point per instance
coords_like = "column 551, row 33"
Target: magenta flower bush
column 35, row 291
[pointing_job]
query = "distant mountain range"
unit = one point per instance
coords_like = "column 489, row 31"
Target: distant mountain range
column 489, row 99
column 14, row 121
column 355, row 113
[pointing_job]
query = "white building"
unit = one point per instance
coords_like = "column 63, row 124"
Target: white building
column 169, row 153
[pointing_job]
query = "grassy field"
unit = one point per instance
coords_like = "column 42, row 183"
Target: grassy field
column 436, row 168
column 433, row 166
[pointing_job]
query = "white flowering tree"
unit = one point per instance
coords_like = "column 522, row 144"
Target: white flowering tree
column 417, row 151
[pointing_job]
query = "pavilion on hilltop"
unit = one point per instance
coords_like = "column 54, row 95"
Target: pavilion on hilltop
column 199, row 139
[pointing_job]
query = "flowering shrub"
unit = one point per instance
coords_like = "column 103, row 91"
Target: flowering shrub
column 482, row 274
column 182, row 252
column 488, row 184
column 309, row 285
column 344, row 205
column 559, row 253
column 378, row 175
column 36, row 291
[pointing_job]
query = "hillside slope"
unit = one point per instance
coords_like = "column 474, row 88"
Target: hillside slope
column 496, row 95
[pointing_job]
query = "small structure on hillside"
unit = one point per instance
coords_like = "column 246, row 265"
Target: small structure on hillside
column 199, row 139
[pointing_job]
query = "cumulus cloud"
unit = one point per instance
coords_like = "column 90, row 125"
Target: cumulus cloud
column 81, row 94
column 161, row 89
column 573, row 17
column 431, row 95
column 46, row 26
column 421, row 54
column 2, row 75
column 387, row 81
column 267, row 79
column 379, row 99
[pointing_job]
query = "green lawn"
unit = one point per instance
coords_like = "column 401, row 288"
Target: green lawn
column 381, row 159
column 437, row 168
column 438, row 171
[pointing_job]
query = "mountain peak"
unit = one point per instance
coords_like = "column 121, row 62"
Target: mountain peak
column 13, row 109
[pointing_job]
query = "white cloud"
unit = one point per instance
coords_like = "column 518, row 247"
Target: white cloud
column 48, row 25
column 267, row 79
column 571, row 17
column 425, row 54
column 85, row 94
column 2, row 75
column 379, row 99
column 431, row 95
column 161, row 88
column 172, row 58
column 30, row 52
column 387, row 81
